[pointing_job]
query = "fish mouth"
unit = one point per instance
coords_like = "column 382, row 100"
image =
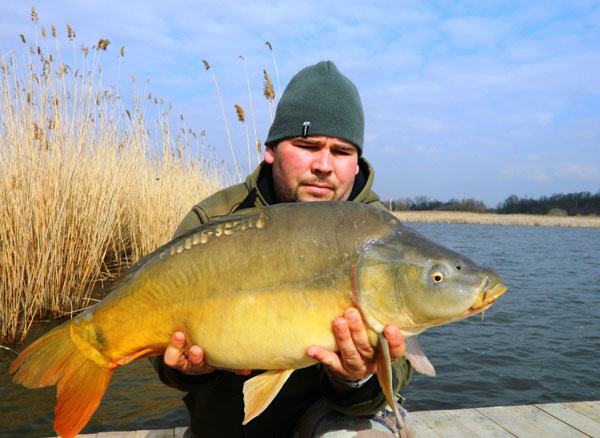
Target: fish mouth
column 488, row 296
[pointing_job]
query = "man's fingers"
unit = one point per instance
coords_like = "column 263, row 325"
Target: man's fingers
column 356, row 358
column 190, row 361
column 174, row 352
column 358, row 332
column 177, row 340
column 395, row 341
column 350, row 354
column 195, row 356
column 326, row 357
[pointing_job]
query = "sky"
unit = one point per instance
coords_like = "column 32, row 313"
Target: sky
column 462, row 99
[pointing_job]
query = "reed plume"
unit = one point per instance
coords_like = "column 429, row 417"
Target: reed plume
column 70, row 33
column 102, row 44
column 270, row 46
column 34, row 15
column 269, row 93
column 242, row 118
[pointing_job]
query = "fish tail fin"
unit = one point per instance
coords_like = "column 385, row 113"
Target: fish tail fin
column 54, row 359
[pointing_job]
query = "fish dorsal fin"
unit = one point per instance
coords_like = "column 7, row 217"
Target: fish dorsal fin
column 384, row 375
column 260, row 391
column 417, row 358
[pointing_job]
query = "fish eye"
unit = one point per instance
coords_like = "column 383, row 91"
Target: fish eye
column 436, row 276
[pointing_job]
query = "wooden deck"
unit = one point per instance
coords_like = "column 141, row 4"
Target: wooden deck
column 560, row 420
column 555, row 420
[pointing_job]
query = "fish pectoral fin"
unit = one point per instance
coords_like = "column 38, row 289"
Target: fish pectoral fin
column 384, row 375
column 417, row 358
column 260, row 391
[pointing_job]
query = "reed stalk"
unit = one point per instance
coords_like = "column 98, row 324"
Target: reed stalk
column 256, row 141
column 270, row 46
column 209, row 67
column 86, row 185
column 269, row 93
column 242, row 118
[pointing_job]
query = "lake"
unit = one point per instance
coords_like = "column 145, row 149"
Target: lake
column 539, row 343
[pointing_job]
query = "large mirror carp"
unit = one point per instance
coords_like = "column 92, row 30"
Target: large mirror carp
column 255, row 290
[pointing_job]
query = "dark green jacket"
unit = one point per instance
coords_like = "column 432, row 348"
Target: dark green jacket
column 215, row 401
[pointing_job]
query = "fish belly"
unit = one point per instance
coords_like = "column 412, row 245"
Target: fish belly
column 266, row 329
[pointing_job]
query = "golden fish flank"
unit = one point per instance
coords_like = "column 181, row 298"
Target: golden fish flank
column 280, row 273
column 218, row 230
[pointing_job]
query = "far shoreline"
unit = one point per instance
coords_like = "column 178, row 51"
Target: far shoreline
column 463, row 217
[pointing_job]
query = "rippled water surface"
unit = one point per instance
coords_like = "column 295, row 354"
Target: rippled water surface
column 539, row 343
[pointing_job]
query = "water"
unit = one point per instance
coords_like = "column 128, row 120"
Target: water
column 538, row 344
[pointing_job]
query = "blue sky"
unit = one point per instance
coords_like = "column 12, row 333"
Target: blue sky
column 462, row 99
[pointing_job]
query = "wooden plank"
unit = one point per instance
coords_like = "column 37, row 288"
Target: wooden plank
column 445, row 423
column 480, row 424
column 421, row 427
column 529, row 421
column 159, row 433
column 116, row 434
column 590, row 409
column 428, row 424
column 572, row 418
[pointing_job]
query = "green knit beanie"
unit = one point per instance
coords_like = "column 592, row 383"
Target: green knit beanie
column 319, row 100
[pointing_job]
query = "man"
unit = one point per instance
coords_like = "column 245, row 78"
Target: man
column 313, row 153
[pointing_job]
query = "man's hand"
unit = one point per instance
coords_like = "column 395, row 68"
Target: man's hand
column 356, row 358
column 190, row 362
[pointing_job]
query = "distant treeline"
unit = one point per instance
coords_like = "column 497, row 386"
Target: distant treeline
column 570, row 204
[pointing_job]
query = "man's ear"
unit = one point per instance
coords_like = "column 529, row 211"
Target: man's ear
column 269, row 154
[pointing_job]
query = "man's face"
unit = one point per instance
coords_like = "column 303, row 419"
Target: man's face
column 316, row 168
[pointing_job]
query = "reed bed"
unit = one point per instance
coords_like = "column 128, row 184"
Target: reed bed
column 457, row 217
column 87, row 186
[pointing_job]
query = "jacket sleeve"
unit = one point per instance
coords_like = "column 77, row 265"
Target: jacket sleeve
column 368, row 399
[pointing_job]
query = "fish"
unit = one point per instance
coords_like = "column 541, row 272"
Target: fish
column 255, row 290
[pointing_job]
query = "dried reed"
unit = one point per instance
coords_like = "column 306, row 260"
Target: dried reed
column 457, row 217
column 270, row 46
column 256, row 140
column 242, row 118
column 269, row 93
column 84, row 190
column 237, row 170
